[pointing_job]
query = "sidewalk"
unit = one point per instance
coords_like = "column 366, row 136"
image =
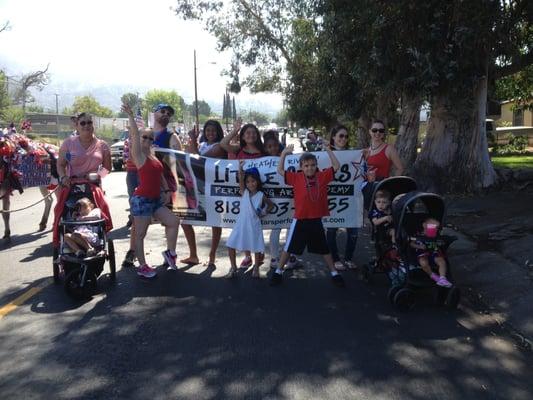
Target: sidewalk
column 493, row 258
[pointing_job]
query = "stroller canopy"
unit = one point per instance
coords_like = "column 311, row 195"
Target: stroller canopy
column 410, row 209
column 395, row 185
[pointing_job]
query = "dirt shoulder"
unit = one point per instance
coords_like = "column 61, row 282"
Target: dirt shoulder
column 493, row 258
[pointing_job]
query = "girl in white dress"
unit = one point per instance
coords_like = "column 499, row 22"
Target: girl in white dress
column 247, row 234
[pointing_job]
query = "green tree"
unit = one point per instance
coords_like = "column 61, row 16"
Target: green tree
column 4, row 96
column 282, row 118
column 156, row 96
column 203, row 108
column 13, row 114
column 133, row 100
column 35, row 108
column 90, row 105
column 257, row 117
column 518, row 87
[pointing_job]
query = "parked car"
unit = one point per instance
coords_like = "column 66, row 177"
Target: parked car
column 117, row 152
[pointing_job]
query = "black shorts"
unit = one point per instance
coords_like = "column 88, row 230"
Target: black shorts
column 306, row 233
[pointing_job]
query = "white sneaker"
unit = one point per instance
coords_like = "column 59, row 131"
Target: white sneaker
column 339, row 266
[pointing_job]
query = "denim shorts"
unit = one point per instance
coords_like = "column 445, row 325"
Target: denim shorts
column 143, row 206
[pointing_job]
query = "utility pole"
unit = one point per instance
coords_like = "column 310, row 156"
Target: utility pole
column 196, row 96
column 57, row 114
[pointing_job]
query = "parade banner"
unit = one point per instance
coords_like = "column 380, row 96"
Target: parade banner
column 35, row 171
column 208, row 189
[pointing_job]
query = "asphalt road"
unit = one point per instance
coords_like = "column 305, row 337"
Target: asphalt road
column 194, row 335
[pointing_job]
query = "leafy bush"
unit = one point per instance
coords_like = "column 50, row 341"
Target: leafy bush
column 517, row 145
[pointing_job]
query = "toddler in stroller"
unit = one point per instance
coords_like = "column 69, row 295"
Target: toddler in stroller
column 429, row 251
column 84, row 238
column 81, row 246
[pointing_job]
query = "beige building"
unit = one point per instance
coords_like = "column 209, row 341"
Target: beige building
column 516, row 116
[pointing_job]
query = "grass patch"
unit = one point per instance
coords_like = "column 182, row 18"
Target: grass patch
column 513, row 161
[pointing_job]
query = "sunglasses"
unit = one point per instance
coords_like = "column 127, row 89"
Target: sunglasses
column 343, row 136
column 83, row 123
column 381, row 130
column 151, row 139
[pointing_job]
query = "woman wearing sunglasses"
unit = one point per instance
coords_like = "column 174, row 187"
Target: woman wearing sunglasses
column 338, row 140
column 380, row 157
column 147, row 201
column 84, row 153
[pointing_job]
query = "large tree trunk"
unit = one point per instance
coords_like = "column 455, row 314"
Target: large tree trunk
column 407, row 140
column 363, row 137
column 455, row 155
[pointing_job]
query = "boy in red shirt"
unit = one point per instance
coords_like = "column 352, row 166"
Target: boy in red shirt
column 310, row 191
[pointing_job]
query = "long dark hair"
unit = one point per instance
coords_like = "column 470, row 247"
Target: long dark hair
column 334, row 131
column 254, row 173
column 258, row 143
column 218, row 128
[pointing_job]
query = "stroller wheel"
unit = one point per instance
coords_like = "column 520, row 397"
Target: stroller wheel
column 404, row 299
column 111, row 257
column 453, row 298
column 55, row 265
column 76, row 288
column 439, row 295
column 392, row 292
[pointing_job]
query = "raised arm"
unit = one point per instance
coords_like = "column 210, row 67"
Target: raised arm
column 281, row 164
column 334, row 162
column 135, row 138
column 241, row 177
column 193, row 141
column 225, row 142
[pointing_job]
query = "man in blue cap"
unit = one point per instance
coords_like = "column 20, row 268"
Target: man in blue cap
column 163, row 137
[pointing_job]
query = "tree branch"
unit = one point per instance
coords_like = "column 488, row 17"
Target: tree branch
column 6, row 27
column 522, row 62
column 277, row 42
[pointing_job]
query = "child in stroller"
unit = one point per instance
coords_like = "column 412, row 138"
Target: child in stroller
column 429, row 250
column 381, row 217
column 72, row 234
column 84, row 238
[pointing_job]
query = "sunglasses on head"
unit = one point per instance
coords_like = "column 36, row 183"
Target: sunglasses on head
column 381, row 130
column 83, row 123
column 151, row 139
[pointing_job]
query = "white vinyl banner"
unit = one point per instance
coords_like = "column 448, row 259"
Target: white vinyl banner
column 208, row 189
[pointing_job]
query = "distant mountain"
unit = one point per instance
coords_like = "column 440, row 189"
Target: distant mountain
column 109, row 96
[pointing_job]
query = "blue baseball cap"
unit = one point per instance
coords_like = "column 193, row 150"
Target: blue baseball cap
column 160, row 106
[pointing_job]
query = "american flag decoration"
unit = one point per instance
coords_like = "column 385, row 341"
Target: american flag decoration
column 139, row 119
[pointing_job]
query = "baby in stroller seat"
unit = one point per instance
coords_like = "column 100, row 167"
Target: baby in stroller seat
column 381, row 217
column 429, row 251
column 84, row 238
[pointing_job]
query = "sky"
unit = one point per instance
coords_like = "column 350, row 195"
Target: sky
column 131, row 43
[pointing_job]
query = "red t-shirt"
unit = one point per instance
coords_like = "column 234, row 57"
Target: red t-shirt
column 310, row 194
column 149, row 179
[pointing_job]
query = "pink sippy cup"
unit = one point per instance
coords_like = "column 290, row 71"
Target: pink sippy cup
column 431, row 230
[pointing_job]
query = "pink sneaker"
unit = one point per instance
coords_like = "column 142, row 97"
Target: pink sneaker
column 442, row 281
column 246, row 262
column 170, row 260
column 146, row 271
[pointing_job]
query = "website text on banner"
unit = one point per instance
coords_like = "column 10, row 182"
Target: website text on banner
column 208, row 190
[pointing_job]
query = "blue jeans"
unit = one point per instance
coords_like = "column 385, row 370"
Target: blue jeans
column 132, row 181
column 351, row 241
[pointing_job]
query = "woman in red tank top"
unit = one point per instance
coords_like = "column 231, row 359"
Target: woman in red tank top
column 379, row 158
column 147, row 201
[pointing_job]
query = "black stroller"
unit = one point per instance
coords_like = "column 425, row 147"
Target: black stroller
column 387, row 257
column 409, row 211
column 80, row 274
